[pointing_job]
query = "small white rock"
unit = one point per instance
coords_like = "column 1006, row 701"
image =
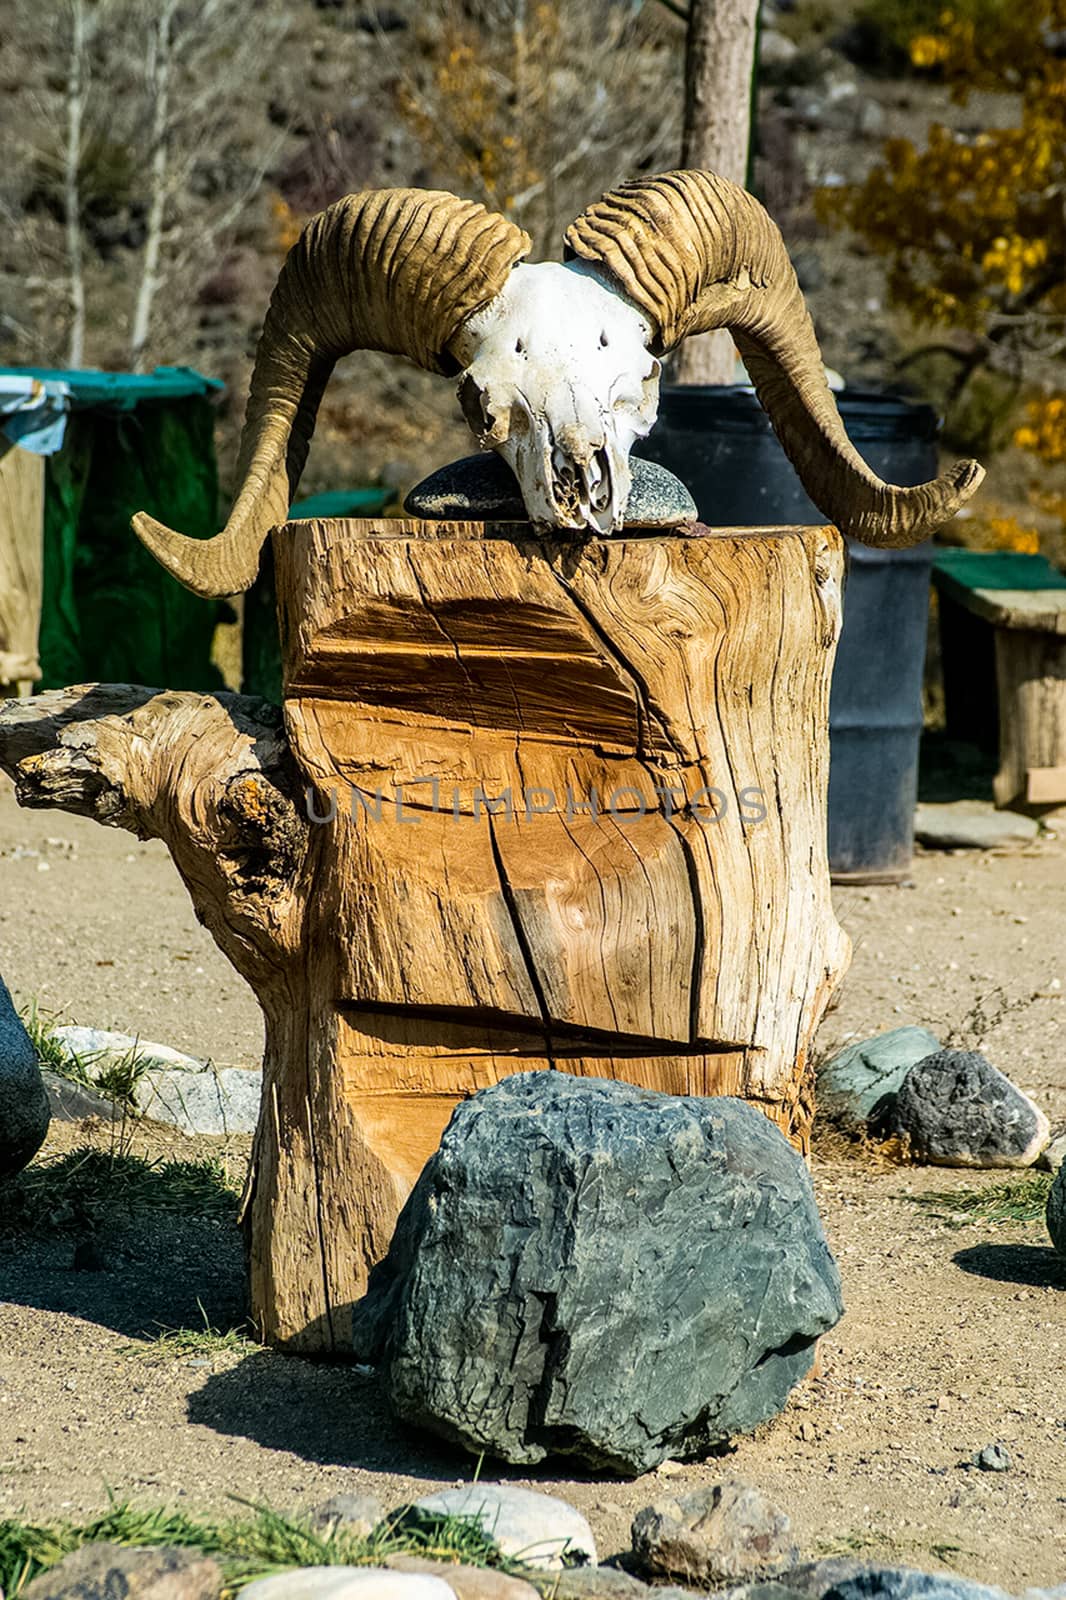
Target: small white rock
column 347, row 1583
column 536, row 1529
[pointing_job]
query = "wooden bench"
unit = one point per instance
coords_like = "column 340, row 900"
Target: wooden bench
column 1003, row 642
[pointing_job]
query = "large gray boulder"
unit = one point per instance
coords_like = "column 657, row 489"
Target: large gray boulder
column 588, row 1269
column 1056, row 1212
column 957, row 1110
column 24, row 1111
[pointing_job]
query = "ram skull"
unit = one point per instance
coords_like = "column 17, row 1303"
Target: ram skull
column 557, row 364
column 558, row 379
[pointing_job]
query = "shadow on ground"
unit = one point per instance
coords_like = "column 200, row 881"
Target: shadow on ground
column 337, row 1415
column 1014, row 1263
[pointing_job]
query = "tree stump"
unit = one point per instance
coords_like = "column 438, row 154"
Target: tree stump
column 535, row 804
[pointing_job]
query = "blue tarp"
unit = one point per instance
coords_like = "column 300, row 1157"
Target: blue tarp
column 36, row 401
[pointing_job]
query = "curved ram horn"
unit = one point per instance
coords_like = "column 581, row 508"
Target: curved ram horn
column 397, row 270
column 695, row 252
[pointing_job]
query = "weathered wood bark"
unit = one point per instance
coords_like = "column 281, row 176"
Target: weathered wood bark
column 21, row 566
column 519, row 750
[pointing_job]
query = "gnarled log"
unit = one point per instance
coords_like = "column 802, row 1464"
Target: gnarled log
column 573, row 802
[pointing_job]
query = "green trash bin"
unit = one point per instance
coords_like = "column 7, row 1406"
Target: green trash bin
column 117, row 443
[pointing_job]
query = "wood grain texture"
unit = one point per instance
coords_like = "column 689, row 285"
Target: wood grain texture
column 1031, row 682
column 470, row 910
column 21, row 566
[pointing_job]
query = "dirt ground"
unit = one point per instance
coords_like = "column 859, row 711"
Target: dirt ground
column 954, row 1337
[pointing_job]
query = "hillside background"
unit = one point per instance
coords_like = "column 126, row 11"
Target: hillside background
column 160, row 157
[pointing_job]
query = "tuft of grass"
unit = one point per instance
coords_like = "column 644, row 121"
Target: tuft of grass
column 72, row 1190
column 1021, row 1199
column 246, row 1548
column 117, row 1081
column 50, row 1052
column 173, row 1343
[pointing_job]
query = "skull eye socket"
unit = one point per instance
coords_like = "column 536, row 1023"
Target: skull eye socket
column 474, row 403
column 519, row 348
column 604, row 341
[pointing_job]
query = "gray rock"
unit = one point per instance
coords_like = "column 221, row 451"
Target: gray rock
column 347, row 1583
column 72, row 1102
column 849, row 1578
column 1056, row 1212
column 24, row 1110
column 173, row 1088
column 470, row 1583
column 993, row 1458
column 903, row 1583
column 598, row 1583
column 217, row 1100
column 957, row 1110
column 971, row 825
column 861, row 1081
column 106, row 1571
column 776, row 49
column 357, row 1514
column 715, row 1535
column 483, row 488
column 589, row 1269
column 1053, row 1154
column 536, row 1529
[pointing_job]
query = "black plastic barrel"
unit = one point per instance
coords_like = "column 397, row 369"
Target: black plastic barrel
column 719, row 442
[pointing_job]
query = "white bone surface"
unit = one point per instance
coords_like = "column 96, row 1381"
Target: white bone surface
column 559, row 380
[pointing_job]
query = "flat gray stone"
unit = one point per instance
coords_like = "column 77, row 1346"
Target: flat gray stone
column 1056, row 1212
column 714, row 1535
column 24, row 1109
column 119, row 1572
column 347, row 1583
column 174, row 1088
column 536, row 1529
column 482, row 488
column 73, row 1102
column 862, row 1080
column 357, row 1514
column 971, row 825
column 217, row 1100
column 958, row 1110
column 591, row 1270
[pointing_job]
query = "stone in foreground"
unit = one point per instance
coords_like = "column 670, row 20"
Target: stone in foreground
column 483, row 488
column 536, row 1529
column 119, row 1572
column 171, row 1087
column 357, row 1514
column 1056, row 1212
column 347, row 1583
column 471, row 1583
column 971, row 825
column 592, row 1270
column 957, row 1110
column 861, row 1081
column 718, row 1534
column 24, row 1109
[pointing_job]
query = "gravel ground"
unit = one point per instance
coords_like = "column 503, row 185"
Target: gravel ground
column 955, row 1336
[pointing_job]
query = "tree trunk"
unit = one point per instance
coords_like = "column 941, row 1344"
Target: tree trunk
column 719, row 63
column 75, row 106
column 573, row 816
column 160, row 70
column 21, row 566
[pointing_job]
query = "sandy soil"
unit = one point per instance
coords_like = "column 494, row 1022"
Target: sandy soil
column 954, row 1336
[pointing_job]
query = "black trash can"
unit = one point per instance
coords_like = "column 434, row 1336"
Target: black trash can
column 718, row 441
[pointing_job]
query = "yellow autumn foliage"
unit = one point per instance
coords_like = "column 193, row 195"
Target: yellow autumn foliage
column 973, row 225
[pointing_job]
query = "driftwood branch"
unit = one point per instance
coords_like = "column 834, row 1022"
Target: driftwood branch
column 210, row 775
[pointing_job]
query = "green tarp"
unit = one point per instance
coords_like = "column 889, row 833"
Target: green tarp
column 110, row 612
